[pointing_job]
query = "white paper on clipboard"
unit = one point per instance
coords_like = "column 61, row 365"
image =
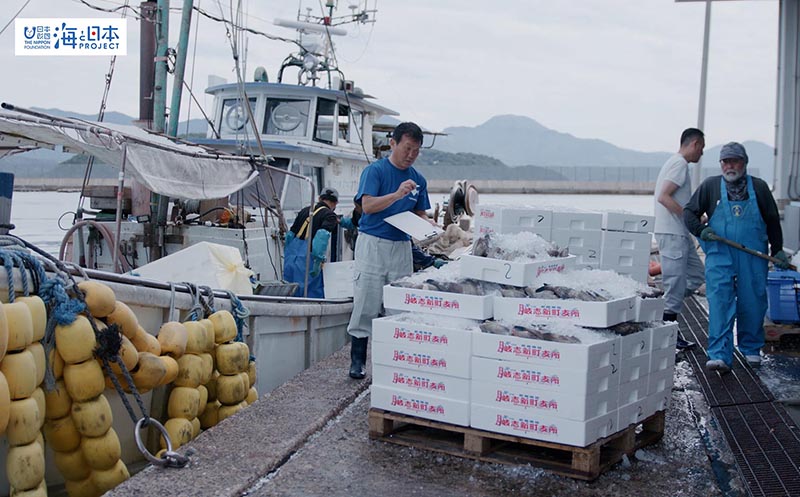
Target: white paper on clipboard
column 412, row 224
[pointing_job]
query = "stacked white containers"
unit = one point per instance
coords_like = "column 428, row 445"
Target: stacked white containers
column 626, row 244
column 558, row 392
column 421, row 366
column 510, row 220
column 580, row 232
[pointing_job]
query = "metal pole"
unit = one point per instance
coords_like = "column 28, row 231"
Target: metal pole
column 118, row 220
column 162, row 44
column 180, row 67
column 6, row 194
column 701, row 106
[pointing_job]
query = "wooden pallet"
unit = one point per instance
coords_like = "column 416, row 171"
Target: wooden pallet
column 585, row 463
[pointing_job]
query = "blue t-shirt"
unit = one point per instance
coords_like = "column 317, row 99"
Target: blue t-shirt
column 382, row 178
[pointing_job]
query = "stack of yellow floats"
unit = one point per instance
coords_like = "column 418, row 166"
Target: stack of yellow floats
column 22, row 402
column 211, row 378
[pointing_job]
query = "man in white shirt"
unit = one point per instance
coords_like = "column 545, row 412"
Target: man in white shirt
column 681, row 269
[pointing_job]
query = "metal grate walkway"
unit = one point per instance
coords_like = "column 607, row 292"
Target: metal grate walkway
column 764, row 440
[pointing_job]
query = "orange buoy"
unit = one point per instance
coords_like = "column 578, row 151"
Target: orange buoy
column 655, row 268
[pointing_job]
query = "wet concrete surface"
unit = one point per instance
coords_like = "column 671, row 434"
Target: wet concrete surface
column 310, row 438
column 342, row 461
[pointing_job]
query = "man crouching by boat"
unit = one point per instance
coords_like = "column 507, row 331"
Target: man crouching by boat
column 296, row 249
column 387, row 187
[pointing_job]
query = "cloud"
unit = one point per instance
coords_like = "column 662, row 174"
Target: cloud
column 625, row 71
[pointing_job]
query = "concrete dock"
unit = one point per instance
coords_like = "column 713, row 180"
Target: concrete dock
column 309, row 437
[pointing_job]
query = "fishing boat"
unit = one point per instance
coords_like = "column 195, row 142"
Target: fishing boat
column 258, row 166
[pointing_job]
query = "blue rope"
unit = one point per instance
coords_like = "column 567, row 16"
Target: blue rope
column 240, row 315
column 196, row 312
column 9, row 266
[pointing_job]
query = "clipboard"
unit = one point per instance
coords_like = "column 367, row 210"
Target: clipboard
column 412, row 224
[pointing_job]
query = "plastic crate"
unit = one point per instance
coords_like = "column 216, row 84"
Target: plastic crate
column 782, row 293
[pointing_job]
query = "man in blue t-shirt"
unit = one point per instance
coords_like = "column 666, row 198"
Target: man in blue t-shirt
column 383, row 253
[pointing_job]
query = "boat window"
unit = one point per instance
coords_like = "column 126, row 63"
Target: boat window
column 286, row 117
column 344, row 122
column 357, row 130
column 298, row 194
column 261, row 192
column 233, row 117
column 323, row 127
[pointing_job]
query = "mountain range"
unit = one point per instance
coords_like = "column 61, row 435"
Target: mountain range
column 504, row 147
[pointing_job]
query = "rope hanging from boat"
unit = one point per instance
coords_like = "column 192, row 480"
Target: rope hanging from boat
column 240, row 315
column 63, row 311
column 196, row 312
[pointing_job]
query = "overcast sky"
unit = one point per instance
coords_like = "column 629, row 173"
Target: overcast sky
column 624, row 71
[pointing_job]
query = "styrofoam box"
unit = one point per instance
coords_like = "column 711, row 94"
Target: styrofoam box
column 630, row 346
column 530, row 400
column 632, row 413
column 648, row 309
column 578, row 356
column 661, row 382
column 624, row 258
column 421, row 405
column 593, row 314
column 512, row 273
column 664, row 336
column 586, row 265
column 413, row 382
column 517, row 216
column 577, row 220
column 572, row 381
column 586, row 256
column 662, row 359
column 620, row 240
column 655, row 403
column 433, row 302
column 633, row 368
column 338, row 278
column 634, row 391
column 542, row 427
column 638, row 273
column 392, row 329
column 483, row 229
column 577, row 239
column 623, row 221
column 453, row 363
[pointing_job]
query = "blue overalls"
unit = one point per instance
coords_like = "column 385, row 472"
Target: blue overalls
column 736, row 281
column 294, row 263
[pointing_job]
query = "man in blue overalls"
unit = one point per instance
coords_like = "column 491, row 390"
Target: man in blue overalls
column 739, row 207
column 296, row 249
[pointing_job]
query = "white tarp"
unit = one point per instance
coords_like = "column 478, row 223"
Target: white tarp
column 163, row 166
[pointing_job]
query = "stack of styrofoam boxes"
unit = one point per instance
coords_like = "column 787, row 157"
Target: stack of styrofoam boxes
column 504, row 219
column 421, row 359
column 634, row 375
column 626, row 244
column 557, row 392
column 662, row 367
column 580, row 233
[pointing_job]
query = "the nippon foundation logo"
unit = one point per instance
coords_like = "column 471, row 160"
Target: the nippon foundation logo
column 59, row 36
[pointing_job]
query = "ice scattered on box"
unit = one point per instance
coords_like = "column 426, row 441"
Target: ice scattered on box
column 610, row 283
column 450, row 272
column 518, row 247
column 434, row 320
column 552, row 332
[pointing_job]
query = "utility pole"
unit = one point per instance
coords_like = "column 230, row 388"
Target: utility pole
column 701, row 106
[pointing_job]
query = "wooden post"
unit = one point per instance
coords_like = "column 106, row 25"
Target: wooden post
column 6, row 193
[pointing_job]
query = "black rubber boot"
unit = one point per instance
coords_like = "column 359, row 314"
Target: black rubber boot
column 681, row 344
column 358, row 357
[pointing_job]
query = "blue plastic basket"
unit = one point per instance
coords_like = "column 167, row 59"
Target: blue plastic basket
column 782, row 293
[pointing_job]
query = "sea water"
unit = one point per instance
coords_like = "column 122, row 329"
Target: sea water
column 42, row 218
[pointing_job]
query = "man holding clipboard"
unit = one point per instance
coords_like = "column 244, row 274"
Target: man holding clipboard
column 387, row 187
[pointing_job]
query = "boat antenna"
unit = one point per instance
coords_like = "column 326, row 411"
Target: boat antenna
column 251, row 119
